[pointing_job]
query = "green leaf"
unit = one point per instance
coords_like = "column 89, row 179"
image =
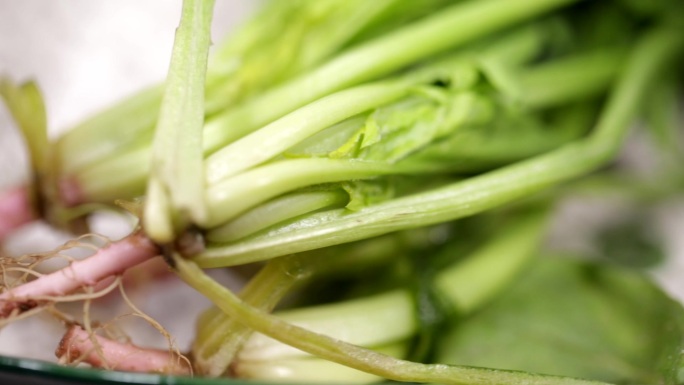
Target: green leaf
column 364, row 193
column 577, row 319
column 403, row 128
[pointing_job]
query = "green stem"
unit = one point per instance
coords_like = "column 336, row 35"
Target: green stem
column 220, row 337
column 352, row 355
column 479, row 193
column 284, row 133
column 477, row 279
column 276, row 211
column 466, row 285
column 449, row 28
column 176, row 184
column 565, row 80
column 590, row 74
column 309, row 369
column 236, row 195
column 128, row 170
column 122, row 177
column 255, row 58
column 373, row 320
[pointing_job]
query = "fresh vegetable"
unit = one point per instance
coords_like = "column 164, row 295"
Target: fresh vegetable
column 390, row 169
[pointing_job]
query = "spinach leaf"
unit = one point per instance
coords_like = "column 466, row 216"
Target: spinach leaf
column 576, row 319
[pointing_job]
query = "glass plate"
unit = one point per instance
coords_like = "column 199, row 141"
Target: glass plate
column 33, row 372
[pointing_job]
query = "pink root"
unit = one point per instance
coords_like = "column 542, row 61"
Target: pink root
column 15, row 210
column 153, row 270
column 78, row 346
column 110, row 261
column 70, row 192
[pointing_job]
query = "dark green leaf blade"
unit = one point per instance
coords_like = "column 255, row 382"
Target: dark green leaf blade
column 576, row 319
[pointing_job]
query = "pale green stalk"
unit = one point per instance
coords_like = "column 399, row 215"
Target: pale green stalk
column 125, row 177
column 466, row 285
column 387, row 317
column 284, row 133
column 276, row 137
column 232, row 195
column 352, row 355
column 220, row 337
column 212, row 351
column 368, row 321
column 235, row 195
column 589, row 73
column 477, row 279
column 286, row 38
column 176, row 184
column 275, row 211
column 598, row 70
column 453, row 26
column 44, row 199
column 283, row 40
column 310, row 369
column 479, row 193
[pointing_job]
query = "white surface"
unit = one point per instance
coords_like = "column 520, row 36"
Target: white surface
column 86, row 54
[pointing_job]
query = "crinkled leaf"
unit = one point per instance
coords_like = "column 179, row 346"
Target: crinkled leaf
column 364, row 193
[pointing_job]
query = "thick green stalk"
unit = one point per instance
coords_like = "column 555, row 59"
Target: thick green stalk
column 479, row 193
column 565, row 80
column 367, row 321
column 176, row 183
column 283, row 40
column 273, row 139
column 464, row 285
column 286, row 38
column 275, row 211
column 235, row 195
column 125, row 177
column 475, row 280
column 309, row 369
column 590, row 74
column 220, row 337
column 449, row 28
column 352, row 355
